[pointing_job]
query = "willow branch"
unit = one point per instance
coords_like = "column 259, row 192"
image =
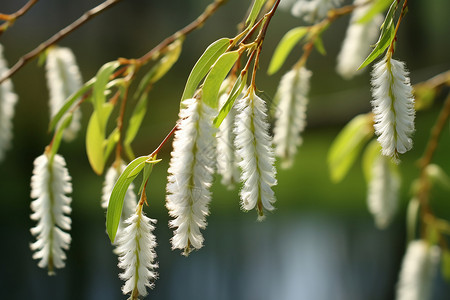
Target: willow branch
column 58, row 36
column 209, row 11
column 11, row 18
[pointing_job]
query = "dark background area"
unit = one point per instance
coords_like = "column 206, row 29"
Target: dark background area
column 320, row 243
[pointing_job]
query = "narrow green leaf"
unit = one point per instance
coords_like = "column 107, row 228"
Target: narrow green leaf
column 371, row 153
column 95, row 135
column 169, row 59
column 412, row 214
column 129, row 152
column 256, row 9
column 58, row 135
column 386, row 36
column 136, row 119
column 216, row 76
column 102, row 79
column 148, row 168
column 235, row 92
column 287, row 43
column 438, row 176
column 348, row 144
column 110, row 142
column 318, row 43
column 117, row 196
column 69, row 102
column 204, row 63
column 377, row 7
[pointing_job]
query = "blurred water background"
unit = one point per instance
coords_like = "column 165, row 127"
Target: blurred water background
column 320, row 243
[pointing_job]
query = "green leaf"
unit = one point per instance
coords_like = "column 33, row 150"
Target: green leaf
column 136, row 119
column 287, row 43
column 371, row 153
column 95, row 136
column 102, row 79
column 377, row 7
column 256, row 9
column 348, row 144
column 319, row 45
column 58, row 135
column 69, row 102
column 110, row 142
column 216, row 76
column 386, row 36
column 117, row 196
column 235, row 92
column 412, row 214
column 204, row 63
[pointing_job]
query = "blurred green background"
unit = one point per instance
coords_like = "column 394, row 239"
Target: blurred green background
column 320, row 243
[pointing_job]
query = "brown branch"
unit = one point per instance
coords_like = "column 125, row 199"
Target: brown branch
column 11, row 18
column 58, row 36
column 209, row 11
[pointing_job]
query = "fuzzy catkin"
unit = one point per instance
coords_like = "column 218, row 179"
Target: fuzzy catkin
column 8, row 100
column 393, row 107
column 358, row 38
column 63, row 79
column 254, row 148
column 290, row 114
column 50, row 185
column 190, row 174
column 136, row 244
column 382, row 197
column 418, row 269
column 313, row 10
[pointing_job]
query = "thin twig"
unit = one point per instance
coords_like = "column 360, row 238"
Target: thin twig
column 58, row 36
column 11, row 18
column 209, row 11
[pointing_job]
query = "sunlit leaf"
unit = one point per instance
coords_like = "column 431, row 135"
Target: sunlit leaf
column 216, row 76
column 438, row 176
column 377, row 7
column 110, row 142
column 289, row 40
column 136, row 119
column 95, row 136
column 256, row 9
column 318, row 43
column 386, row 36
column 348, row 144
column 235, row 92
column 204, row 63
column 118, row 194
column 102, row 79
column 69, row 103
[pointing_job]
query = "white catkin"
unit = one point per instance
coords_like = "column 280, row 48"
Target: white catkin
column 129, row 202
column 419, row 266
column 226, row 154
column 313, row 10
column 8, row 100
column 393, row 107
column 50, row 185
column 290, row 114
column 254, row 148
column 358, row 39
column 382, row 197
column 136, row 244
column 190, row 174
column 63, row 79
